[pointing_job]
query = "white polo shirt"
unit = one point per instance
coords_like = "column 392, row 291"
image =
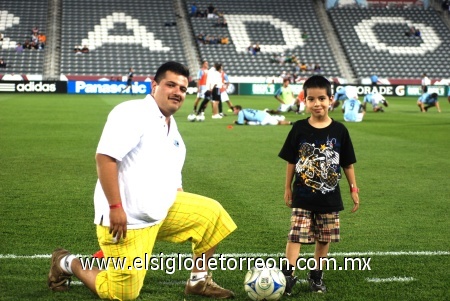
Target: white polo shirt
column 149, row 158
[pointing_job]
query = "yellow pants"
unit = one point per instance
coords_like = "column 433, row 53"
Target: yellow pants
column 199, row 219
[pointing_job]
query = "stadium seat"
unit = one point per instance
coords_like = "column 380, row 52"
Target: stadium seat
column 390, row 53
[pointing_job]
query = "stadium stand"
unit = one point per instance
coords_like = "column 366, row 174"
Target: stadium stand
column 119, row 34
column 375, row 41
column 276, row 26
column 17, row 18
column 123, row 34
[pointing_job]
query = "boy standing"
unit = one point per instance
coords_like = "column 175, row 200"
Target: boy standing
column 315, row 150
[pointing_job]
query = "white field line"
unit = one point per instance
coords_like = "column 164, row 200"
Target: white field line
column 390, row 279
column 256, row 255
column 374, row 280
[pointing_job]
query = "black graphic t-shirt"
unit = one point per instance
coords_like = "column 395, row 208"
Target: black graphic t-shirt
column 318, row 155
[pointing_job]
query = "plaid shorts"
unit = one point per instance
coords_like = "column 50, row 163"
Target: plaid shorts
column 308, row 227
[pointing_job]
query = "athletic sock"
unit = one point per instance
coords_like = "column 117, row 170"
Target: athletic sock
column 288, row 271
column 198, row 276
column 66, row 263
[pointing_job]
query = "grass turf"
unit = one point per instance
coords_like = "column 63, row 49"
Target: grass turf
column 47, row 176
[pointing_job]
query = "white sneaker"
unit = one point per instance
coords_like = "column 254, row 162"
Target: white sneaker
column 217, row 116
column 200, row 117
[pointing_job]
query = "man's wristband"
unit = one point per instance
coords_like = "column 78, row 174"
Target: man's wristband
column 119, row 205
column 354, row 189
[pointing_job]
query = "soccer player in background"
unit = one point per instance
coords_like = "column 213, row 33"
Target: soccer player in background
column 213, row 85
column 448, row 94
column 376, row 100
column 316, row 150
column 301, row 102
column 202, row 76
column 428, row 100
column 339, row 95
column 224, row 97
column 425, row 82
column 285, row 97
column 257, row 117
column 352, row 107
column 129, row 82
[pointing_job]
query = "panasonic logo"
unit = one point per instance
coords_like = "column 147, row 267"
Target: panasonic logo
column 106, row 88
column 36, row 87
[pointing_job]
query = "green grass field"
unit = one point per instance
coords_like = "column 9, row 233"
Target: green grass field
column 47, row 177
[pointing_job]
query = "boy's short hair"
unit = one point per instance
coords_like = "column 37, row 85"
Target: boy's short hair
column 174, row 67
column 434, row 95
column 317, row 81
column 238, row 107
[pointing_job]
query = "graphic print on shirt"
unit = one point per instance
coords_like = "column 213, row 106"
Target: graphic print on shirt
column 319, row 166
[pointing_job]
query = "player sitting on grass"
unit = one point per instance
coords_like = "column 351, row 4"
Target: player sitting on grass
column 352, row 107
column 286, row 98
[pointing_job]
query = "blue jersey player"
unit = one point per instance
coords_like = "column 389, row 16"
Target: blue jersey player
column 428, row 100
column 352, row 107
column 340, row 95
column 257, row 117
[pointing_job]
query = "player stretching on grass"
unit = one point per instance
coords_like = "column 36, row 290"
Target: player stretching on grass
column 138, row 197
column 376, row 100
column 427, row 100
column 315, row 150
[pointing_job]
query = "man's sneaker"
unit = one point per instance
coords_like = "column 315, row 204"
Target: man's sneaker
column 207, row 288
column 385, row 103
column 216, row 116
column 290, row 282
column 58, row 280
column 315, row 281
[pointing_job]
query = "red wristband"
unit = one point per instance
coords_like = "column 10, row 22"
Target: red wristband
column 354, row 189
column 119, row 205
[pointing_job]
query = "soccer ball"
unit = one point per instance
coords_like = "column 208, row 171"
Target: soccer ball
column 200, row 117
column 191, row 117
column 264, row 284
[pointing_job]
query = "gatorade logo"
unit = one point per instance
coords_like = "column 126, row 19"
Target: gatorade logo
column 36, row 87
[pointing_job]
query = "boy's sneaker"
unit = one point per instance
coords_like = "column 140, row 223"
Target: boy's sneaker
column 58, row 280
column 207, row 288
column 315, row 281
column 290, row 282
